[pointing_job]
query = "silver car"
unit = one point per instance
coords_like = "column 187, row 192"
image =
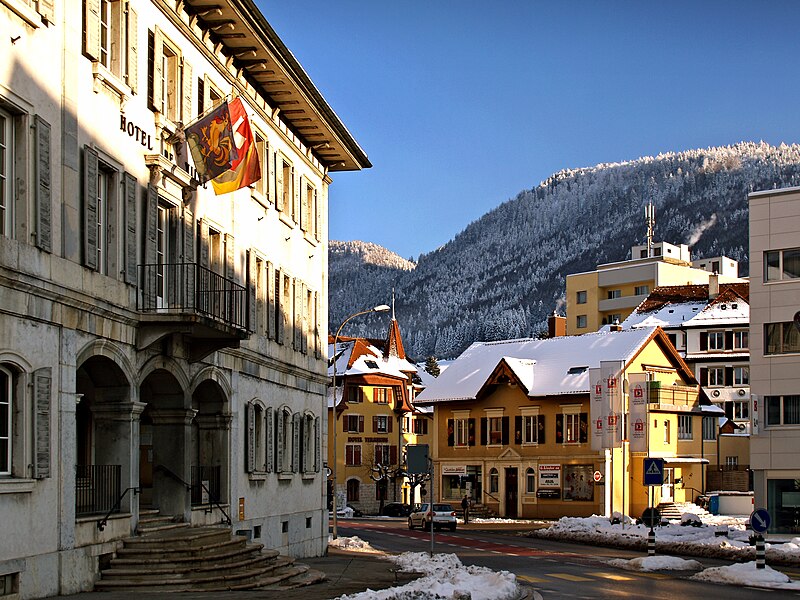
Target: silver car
column 444, row 517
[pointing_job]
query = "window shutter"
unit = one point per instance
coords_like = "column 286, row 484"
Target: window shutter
column 317, row 336
column 304, row 318
column 262, row 297
column 186, row 83
column 346, row 423
column 158, row 52
column 252, row 278
column 204, row 249
column 703, row 340
column 201, row 95
column 729, row 410
column 374, row 424
column 250, row 438
column 450, row 432
column 559, row 429
column 47, row 10
column 360, row 423
column 317, row 445
column 42, row 392
column 517, row 429
column 44, row 232
column 281, row 308
column 149, row 283
column 91, row 40
column 728, row 340
column 389, row 420
column 279, row 183
column 295, row 199
column 90, row 169
column 392, row 455
column 272, row 298
column 704, row 376
column 728, row 376
column 279, row 458
column 298, row 314
column 230, row 257
column 584, row 432
column 132, row 36
column 270, row 440
column 303, row 207
column 295, row 442
column 484, row 430
column 540, row 430
column 317, row 211
column 506, row 427
column 348, row 454
column 131, row 187
column 471, row 432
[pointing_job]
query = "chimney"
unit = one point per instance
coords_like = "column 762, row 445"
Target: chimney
column 556, row 325
column 713, row 286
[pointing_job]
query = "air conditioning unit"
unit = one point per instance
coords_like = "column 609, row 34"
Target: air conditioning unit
column 741, row 392
column 715, row 393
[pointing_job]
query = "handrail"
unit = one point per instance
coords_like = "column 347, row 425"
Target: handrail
column 189, row 486
column 492, row 497
column 101, row 524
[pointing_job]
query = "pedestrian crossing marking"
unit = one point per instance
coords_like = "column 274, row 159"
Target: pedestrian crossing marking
column 568, row 577
column 529, row 579
column 654, row 575
column 612, row 576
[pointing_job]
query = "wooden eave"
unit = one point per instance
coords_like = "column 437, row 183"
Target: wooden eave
column 666, row 346
column 255, row 49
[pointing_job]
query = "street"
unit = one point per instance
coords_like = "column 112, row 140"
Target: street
column 553, row 569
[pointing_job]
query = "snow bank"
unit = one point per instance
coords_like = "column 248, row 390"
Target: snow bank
column 353, row 544
column 748, row 574
column 656, row 563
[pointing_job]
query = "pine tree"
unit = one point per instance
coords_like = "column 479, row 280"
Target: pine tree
column 432, row 366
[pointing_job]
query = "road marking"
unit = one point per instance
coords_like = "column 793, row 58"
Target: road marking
column 529, row 579
column 611, row 576
column 568, row 576
column 654, row 575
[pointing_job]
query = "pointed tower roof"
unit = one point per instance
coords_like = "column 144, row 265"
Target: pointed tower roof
column 394, row 343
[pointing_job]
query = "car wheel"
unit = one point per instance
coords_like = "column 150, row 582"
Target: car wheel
column 410, row 523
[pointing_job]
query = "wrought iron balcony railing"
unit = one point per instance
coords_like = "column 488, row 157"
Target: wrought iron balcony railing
column 97, row 488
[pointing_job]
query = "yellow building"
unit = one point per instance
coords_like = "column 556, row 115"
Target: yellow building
column 512, row 426
column 611, row 292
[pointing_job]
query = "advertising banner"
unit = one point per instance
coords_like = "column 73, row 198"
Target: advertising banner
column 598, row 408
column 550, row 476
column 611, row 374
column 637, row 410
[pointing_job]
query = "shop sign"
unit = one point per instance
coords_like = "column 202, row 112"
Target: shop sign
column 454, row 469
column 550, row 476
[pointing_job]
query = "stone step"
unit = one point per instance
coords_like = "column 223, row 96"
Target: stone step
column 217, row 551
column 185, row 536
column 214, row 569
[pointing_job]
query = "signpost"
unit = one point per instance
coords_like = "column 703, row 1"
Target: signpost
column 653, row 471
column 759, row 522
column 653, row 475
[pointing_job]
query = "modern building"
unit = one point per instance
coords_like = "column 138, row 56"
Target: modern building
column 611, row 292
column 161, row 346
column 709, row 326
column 515, row 417
column 775, row 354
column 375, row 419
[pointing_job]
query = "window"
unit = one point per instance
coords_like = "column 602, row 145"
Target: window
column 461, row 430
column 352, row 453
column 382, row 454
column 716, row 340
column 352, row 490
column 731, row 462
column 25, row 427
column 667, row 431
column 494, row 481
column 783, row 410
column 641, row 290
column 716, row 376
column 781, row 338
column 110, row 39
column 741, row 340
column 580, row 297
column 420, row 426
column 580, row 322
column 6, row 173
column 284, row 462
column 262, row 147
column 309, row 443
column 353, row 423
column 782, row 265
column 6, row 419
column 495, row 431
column 308, row 216
column 614, row 318
column 353, row 394
column 612, row 294
column 572, row 428
column 168, row 83
column 709, row 429
column 381, row 395
column 381, row 424
column 685, row 427
column 741, row 376
column 740, row 410
column 169, row 79
column 285, row 185
column 530, row 481
column 462, row 436
column 533, row 429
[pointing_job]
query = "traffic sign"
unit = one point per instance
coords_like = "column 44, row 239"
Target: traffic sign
column 651, row 517
column 597, row 475
column 653, row 471
column 760, row 520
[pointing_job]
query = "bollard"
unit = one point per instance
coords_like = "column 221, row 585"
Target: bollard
column 761, row 553
column 651, row 543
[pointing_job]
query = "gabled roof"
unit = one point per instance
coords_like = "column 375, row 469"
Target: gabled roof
column 549, row 367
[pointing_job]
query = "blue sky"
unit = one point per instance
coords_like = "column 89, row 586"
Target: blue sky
column 462, row 104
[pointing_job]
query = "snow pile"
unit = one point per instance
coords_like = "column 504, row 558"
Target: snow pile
column 445, row 578
column 656, row 563
column 352, row 544
column 748, row 574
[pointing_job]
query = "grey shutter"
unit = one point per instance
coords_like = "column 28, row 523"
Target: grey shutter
column 252, row 292
column 297, row 322
column 90, row 168
column 295, row 199
column 316, row 216
column 158, row 52
column 270, row 162
column 262, row 297
column 304, row 307
column 149, row 279
column 296, row 442
column 131, row 187
column 281, row 308
column 250, row 439
column 186, row 83
column 42, row 392
column 188, row 257
column 270, row 440
column 91, row 11
column 279, row 182
column 317, row 336
column 204, row 257
column 44, row 209
column 133, row 48
column 317, row 444
column 303, row 207
column 230, row 255
column 47, row 9
column 279, row 445
column 271, row 301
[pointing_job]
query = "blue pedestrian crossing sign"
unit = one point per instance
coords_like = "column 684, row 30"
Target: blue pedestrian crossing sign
column 760, row 520
column 653, row 471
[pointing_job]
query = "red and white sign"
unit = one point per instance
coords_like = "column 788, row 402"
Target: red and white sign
column 597, row 475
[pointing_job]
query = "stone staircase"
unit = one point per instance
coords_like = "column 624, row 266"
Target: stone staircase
column 174, row 557
column 673, row 510
column 478, row 511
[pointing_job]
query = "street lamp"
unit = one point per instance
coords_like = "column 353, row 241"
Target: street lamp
column 379, row 308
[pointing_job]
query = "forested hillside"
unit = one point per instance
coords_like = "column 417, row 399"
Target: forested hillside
column 502, row 275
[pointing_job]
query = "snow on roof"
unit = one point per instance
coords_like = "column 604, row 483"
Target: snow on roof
column 546, row 367
column 689, row 306
column 369, row 363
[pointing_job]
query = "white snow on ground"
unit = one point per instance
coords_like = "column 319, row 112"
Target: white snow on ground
column 352, row 544
column 656, row 563
column 748, row 574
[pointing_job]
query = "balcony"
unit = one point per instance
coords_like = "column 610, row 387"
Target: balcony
column 672, row 395
column 186, row 298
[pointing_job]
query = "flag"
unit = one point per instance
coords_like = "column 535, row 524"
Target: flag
column 246, row 168
column 211, row 144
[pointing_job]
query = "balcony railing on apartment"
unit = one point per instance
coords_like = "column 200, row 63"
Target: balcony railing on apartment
column 675, row 395
column 190, row 288
column 205, row 484
column 97, row 488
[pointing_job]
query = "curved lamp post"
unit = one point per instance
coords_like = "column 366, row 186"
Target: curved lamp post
column 379, row 308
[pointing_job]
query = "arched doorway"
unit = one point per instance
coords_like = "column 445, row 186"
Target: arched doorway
column 210, row 434
column 104, row 427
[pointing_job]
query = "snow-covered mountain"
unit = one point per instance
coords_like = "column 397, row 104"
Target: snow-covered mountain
column 502, row 275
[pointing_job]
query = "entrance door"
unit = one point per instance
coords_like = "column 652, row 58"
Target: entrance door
column 511, row 492
column 666, row 488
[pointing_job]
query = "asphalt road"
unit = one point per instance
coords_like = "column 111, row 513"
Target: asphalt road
column 553, row 569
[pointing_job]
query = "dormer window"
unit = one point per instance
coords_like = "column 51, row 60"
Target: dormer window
column 371, row 364
column 577, row 370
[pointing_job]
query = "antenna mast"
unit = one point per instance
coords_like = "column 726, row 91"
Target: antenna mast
column 650, row 217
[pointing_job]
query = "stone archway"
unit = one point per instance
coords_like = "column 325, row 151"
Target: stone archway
column 210, row 467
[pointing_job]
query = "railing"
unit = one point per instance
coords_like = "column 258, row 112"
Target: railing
column 677, row 395
column 200, row 475
column 96, row 488
column 191, row 288
column 212, row 500
column 101, row 524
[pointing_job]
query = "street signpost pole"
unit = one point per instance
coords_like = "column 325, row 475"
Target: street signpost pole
column 431, row 471
column 760, row 520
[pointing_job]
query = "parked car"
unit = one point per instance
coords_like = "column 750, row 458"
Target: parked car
column 396, row 509
column 443, row 515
